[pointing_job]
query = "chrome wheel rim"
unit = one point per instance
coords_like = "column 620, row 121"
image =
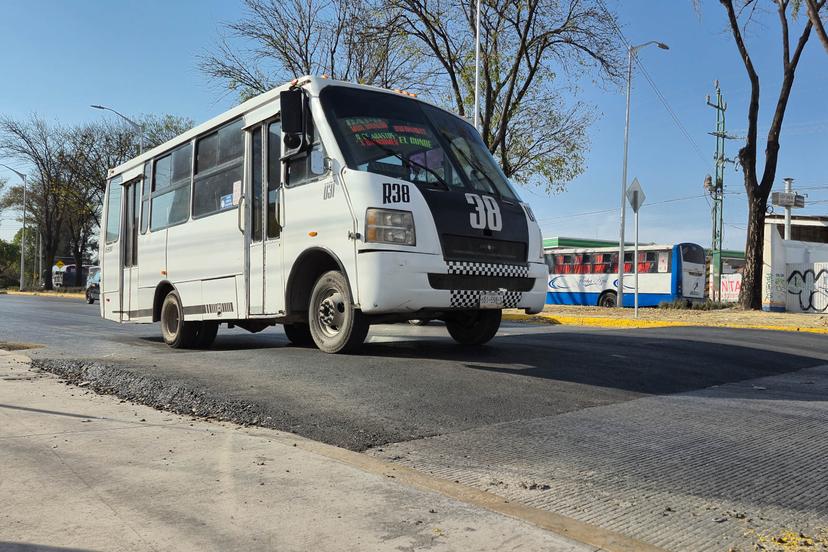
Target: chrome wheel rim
column 171, row 321
column 331, row 312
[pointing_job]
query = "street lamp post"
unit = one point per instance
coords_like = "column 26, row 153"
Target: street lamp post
column 23, row 235
column 631, row 51
column 477, row 67
column 136, row 126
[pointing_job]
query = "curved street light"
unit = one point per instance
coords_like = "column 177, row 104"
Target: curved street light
column 23, row 236
column 632, row 51
column 136, row 126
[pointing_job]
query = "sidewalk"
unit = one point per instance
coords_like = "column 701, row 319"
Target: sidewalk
column 89, row 472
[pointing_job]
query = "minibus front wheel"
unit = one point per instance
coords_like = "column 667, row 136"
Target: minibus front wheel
column 335, row 324
column 474, row 327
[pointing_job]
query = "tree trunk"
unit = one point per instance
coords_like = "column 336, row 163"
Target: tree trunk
column 49, row 252
column 751, row 295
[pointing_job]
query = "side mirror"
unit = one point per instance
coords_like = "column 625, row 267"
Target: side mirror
column 292, row 107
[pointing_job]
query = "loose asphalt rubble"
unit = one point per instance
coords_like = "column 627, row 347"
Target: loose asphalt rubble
column 87, row 472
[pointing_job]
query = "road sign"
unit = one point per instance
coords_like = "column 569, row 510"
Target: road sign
column 787, row 199
column 635, row 195
column 59, row 264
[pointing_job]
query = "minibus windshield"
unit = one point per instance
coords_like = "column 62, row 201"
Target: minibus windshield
column 410, row 140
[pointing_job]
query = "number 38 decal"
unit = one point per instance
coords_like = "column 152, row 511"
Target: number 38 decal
column 486, row 213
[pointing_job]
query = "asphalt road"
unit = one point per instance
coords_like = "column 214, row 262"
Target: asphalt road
column 410, row 382
column 687, row 438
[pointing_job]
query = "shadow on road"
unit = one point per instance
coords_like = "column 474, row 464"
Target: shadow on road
column 640, row 364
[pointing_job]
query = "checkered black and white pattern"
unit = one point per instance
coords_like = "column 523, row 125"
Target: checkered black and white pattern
column 470, row 299
column 471, row 268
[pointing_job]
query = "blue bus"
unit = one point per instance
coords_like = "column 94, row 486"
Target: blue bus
column 589, row 276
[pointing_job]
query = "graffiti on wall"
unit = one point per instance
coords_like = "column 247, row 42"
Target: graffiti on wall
column 810, row 287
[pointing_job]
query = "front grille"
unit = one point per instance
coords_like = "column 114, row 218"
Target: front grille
column 467, row 248
column 480, row 283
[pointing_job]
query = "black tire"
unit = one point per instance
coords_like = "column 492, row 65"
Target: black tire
column 206, row 334
column 299, row 334
column 335, row 325
column 89, row 298
column 177, row 333
column 608, row 299
column 474, row 327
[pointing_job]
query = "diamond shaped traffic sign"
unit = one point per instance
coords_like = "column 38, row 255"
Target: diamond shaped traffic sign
column 635, row 195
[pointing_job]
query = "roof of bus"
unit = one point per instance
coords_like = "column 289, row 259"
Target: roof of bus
column 648, row 247
column 314, row 84
column 562, row 241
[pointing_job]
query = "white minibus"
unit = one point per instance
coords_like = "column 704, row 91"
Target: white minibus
column 323, row 206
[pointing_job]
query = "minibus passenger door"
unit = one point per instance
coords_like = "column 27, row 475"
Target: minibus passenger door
column 111, row 256
column 255, row 230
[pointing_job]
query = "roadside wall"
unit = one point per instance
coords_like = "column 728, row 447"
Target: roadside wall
column 794, row 274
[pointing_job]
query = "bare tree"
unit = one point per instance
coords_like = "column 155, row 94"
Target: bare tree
column 345, row 39
column 758, row 187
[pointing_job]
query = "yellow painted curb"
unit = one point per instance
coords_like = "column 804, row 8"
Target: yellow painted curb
column 70, row 295
column 601, row 322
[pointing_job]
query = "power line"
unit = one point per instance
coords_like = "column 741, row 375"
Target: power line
column 655, row 88
column 602, row 211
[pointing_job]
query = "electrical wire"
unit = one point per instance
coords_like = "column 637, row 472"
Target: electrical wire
column 655, row 88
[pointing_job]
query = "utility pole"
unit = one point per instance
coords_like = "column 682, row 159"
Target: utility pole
column 715, row 187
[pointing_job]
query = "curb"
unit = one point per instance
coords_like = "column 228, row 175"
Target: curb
column 72, row 295
column 601, row 322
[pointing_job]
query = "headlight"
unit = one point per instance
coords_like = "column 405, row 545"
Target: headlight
column 388, row 226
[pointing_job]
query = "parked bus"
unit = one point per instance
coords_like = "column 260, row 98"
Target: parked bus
column 323, row 206
column 590, row 276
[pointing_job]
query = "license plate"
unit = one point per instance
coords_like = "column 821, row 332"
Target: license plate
column 491, row 300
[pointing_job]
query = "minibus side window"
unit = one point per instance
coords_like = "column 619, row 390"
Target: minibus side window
column 218, row 170
column 113, row 211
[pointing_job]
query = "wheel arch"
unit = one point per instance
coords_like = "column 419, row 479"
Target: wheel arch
column 161, row 291
column 309, row 265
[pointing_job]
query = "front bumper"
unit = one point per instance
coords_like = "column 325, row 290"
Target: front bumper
column 398, row 282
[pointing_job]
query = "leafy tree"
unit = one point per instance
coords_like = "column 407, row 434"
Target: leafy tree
column 758, row 184
column 537, row 136
column 41, row 146
column 9, row 263
column 813, row 8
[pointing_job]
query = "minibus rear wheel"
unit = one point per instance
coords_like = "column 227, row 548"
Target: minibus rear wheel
column 298, row 334
column 177, row 333
column 474, row 327
column 335, row 325
column 206, row 334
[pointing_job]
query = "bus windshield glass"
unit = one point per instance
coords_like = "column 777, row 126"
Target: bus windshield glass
column 410, row 140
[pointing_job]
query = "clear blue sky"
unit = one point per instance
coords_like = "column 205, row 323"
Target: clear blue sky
column 59, row 57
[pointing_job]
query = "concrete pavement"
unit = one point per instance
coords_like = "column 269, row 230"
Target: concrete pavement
column 86, row 472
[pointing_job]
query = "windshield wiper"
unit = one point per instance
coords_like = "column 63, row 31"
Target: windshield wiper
column 407, row 162
column 472, row 164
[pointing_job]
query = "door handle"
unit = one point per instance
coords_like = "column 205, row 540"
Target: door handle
column 241, row 214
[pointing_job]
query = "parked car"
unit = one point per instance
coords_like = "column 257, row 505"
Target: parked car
column 93, row 285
